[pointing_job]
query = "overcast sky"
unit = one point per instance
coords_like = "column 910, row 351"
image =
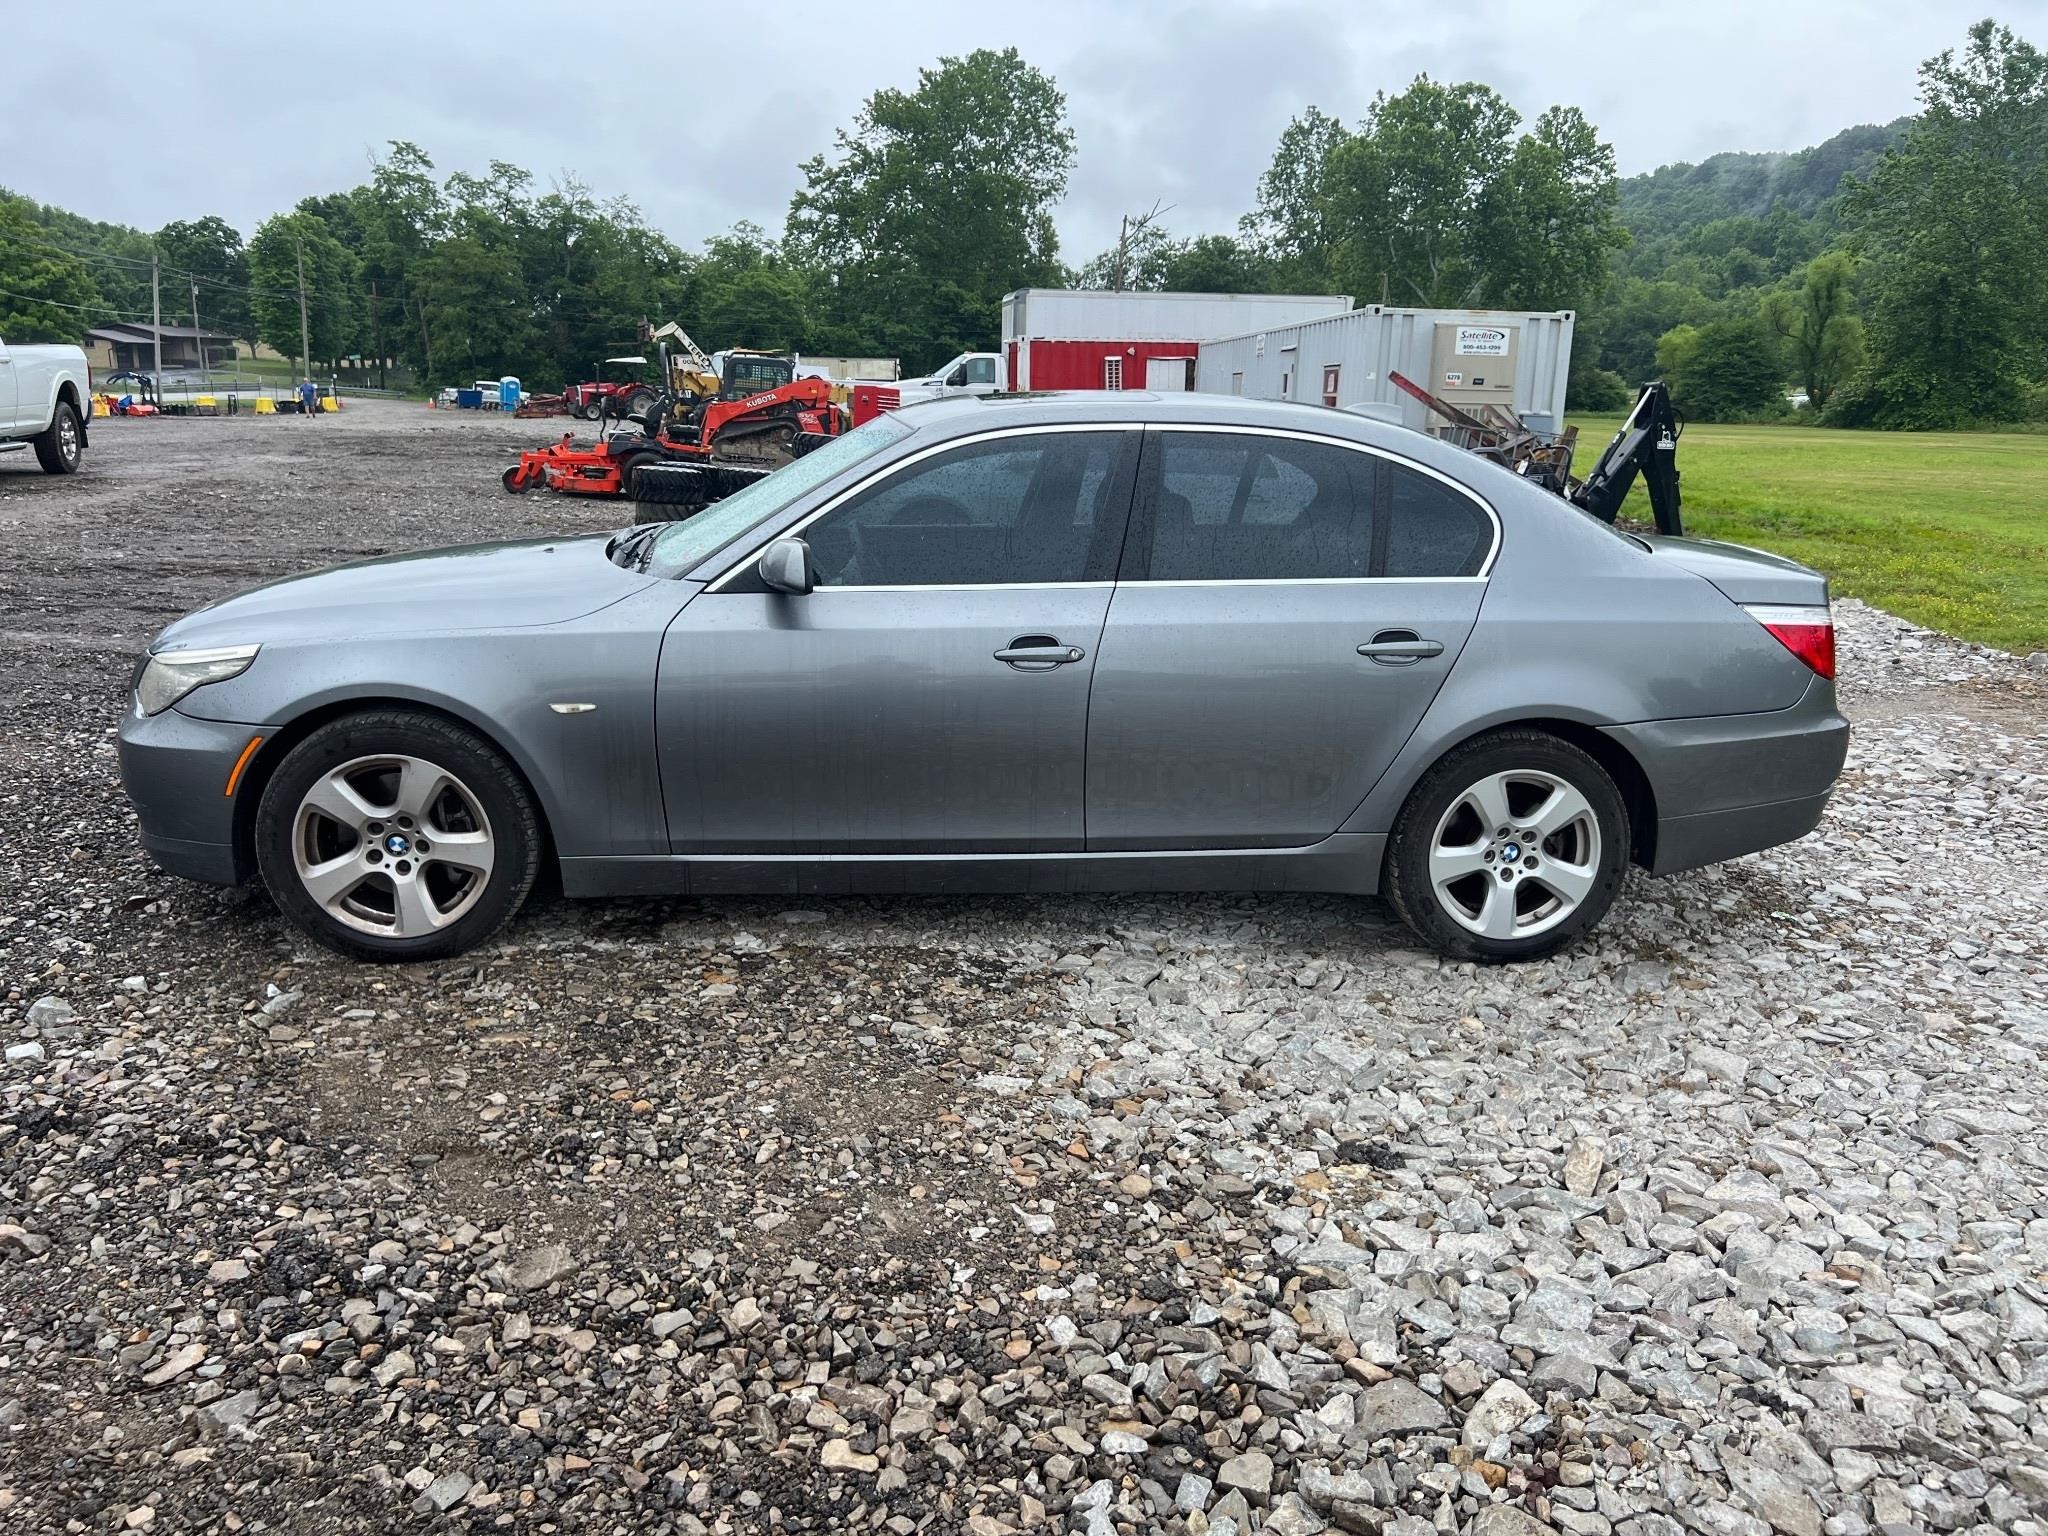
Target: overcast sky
column 700, row 112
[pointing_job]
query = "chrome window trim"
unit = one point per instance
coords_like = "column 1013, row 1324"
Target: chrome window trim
column 1306, row 581
column 889, row 472
column 1485, row 572
column 980, row 586
column 1219, row 429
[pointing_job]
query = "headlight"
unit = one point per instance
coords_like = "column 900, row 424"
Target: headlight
column 169, row 675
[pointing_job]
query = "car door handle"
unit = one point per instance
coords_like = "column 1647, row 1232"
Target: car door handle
column 1038, row 653
column 1399, row 648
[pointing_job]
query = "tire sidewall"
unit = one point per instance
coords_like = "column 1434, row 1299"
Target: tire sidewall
column 1408, row 883
column 515, row 828
column 50, row 451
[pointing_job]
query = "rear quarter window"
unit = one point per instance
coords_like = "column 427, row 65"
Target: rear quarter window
column 1433, row 529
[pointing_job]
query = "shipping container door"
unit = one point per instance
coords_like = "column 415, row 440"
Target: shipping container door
column 1170, row 375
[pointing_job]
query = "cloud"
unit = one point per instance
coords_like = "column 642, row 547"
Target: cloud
column 702, row 115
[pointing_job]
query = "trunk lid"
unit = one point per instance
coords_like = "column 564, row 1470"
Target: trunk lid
column 1742, row 574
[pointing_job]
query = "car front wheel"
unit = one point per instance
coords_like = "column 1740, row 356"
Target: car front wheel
column 394, row 835
column 1511, row 848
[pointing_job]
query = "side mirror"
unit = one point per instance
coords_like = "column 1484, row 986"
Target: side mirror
column 958, row 376
column 786, row 566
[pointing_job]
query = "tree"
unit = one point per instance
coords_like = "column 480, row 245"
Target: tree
column 1546, row 223
column 1726, row 370
column 1137, row 261
column 400, row 212
column 332, row 285
column 1635, row 313
column 46, row 294
column 745, row 293
column 937, row 202
column 474, row 300
column 1291, row 227
column 210, row 250
column 1955, row 223
column 1216, row 264
column 1440, row 198
column 1823, row 335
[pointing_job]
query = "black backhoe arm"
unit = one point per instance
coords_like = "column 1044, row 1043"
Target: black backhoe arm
column 1647, row 444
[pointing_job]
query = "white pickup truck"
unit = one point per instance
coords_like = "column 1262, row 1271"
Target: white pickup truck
column 971, row 373
column 45, row 402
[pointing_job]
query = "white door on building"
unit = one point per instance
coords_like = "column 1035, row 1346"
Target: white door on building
column 1169, row 375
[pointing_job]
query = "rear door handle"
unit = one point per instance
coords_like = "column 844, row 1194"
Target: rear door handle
column 1038, row 653
column 1400, row 648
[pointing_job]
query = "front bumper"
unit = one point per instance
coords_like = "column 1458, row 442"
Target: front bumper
column 1728, row 785
column 175, row 771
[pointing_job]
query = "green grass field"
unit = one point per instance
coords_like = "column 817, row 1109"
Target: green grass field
column 1948, row 529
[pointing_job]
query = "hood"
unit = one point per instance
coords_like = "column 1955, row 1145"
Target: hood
column 1744, row 575
column 519, row 585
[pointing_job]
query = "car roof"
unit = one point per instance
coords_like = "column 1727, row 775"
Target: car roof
column 961, row 415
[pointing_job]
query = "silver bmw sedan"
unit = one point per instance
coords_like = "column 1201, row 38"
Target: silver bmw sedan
column 1036, row 643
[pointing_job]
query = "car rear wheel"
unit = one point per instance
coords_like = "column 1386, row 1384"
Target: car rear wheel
column 1511, row 848
column 393, row 835
column 62, row 445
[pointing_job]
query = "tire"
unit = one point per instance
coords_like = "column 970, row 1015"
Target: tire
column 353, row 801
column 637, row 403
column 629, row 461
column 61, row 448
column 667, row 485
column 587, row 411
column 1564, row 857
column 514, row 481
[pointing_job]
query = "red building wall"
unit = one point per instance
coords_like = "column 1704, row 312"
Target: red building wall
column 1080, row 364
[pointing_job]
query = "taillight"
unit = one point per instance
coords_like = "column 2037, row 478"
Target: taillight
column 1808, row 633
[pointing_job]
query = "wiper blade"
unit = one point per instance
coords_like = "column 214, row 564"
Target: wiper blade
column 635, row 547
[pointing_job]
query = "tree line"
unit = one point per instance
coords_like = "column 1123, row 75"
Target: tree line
column 1895, row 276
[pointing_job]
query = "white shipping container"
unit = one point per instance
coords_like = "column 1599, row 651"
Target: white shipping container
column 1462, row 355
column 882, row 369
column 1080, row 314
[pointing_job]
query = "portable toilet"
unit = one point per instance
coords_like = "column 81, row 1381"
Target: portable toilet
column 508, row 393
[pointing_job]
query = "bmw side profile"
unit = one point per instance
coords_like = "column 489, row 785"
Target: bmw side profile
column 1043, row 643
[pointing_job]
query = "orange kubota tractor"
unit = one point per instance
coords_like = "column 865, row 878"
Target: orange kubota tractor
column 691, row 449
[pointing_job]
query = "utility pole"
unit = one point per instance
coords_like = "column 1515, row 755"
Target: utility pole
column 377, row 332
column 198, row 339
column 156, row 315
column 305, row 334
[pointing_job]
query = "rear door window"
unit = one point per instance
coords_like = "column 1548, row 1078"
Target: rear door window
column 1242, row 507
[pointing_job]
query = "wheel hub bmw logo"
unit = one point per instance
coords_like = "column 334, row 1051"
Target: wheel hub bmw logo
column 397, row 843
column 1508, row 855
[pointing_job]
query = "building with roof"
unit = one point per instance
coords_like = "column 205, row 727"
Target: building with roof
column 125, row 344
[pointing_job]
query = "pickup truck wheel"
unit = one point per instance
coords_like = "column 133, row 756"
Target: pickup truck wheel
column 60, row 448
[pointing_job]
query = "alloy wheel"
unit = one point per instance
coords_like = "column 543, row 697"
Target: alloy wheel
column 1515, row 854
column 67, row 437
column 392, row 845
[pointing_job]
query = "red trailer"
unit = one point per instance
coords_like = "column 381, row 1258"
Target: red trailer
column 1042, row 363
column 1088, row 339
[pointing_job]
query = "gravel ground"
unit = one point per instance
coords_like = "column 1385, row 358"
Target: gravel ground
column 1109, row 1214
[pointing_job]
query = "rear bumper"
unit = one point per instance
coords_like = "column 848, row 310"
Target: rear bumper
column 1732, row 784
column 175, row 772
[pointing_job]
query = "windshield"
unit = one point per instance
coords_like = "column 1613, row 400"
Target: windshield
column 682, row 545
